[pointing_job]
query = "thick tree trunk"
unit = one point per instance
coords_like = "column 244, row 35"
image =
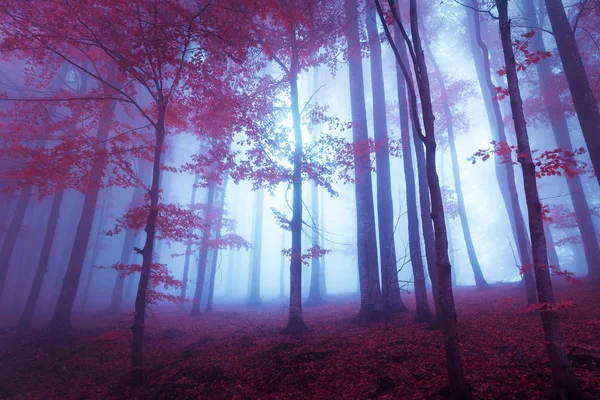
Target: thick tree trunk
column 188, row 250
column 584, row 101
column 370, row 292
column 558, row 123
column 295, row 321
column 254, row 296
column 392, row 300
column 459, row 387
column 562, row 373
column 204, row 250
column 147, row 251
column 61, row 319
column 423, row 313
column 504, row 170
column 462, row 211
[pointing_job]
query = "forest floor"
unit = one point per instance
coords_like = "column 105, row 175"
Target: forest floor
column 239, row 353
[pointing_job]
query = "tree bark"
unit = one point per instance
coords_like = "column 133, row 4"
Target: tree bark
column 61, row 319
column 505, row 173
column 216, row 250
column 392, row 301
column 562, row 373
column 370, row 292
column 462, row 210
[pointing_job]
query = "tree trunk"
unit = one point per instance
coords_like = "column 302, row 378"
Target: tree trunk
column 392, row 300
column 282, row 266
column 584, row 101
column 370, row 292
column 558, row 123
column 295, row 321
column 42, row 267
column 147, row 251
column 462, row 211
column 459, row 387
column 188, row 250
column 423, row 313
column 562, row 374
column 314, row 293
column 254, row 296
column 95, row 252
column 204, row 250
column 61, row 319
column 323, row 278
column 213, row 269
column 505, row 173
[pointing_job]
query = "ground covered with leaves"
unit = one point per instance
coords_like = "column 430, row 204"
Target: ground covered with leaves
column 239, row 353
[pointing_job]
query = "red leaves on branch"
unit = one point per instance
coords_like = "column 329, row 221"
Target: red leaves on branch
column 555, row 162
column 314, row 252
column 548, row 307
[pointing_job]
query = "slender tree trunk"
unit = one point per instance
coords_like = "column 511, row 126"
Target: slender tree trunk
column 323, row 280
column 42, row 267
column 97, row 247
column 504, row 171
column 295, row 321
column 204, row 250
column 584, row 101
column 188, row 251
column 450, row 245
column 562, row 373
column 370, row 292
column 254, row 296
column 148, row 250
column 392, row 300
column 423, row 313
column 282, row 266
column 314, row 293
column 558, row 123
column 61, row 319
column 462, row 211
column 213, row 269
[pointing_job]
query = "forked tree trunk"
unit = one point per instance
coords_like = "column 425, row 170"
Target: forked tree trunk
column 147, row 251
column 505, row 173
column 558, row 123
column 392, row 300
column 254, row 295
column 204, row 250
column 188, row 250
column 370, row 292
column 462, row 211
column 423, row 313
column 459, row 387
column 562, row 374
column 61, row 319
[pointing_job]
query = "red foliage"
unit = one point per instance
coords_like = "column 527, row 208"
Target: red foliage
column 314, row 252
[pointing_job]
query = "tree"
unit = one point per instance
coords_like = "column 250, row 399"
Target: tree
column 459, row 387
column 504, row 171
column 188, row 250
column 586, row 105
column 254, row 295
column 562, row 373
column 385, row 207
